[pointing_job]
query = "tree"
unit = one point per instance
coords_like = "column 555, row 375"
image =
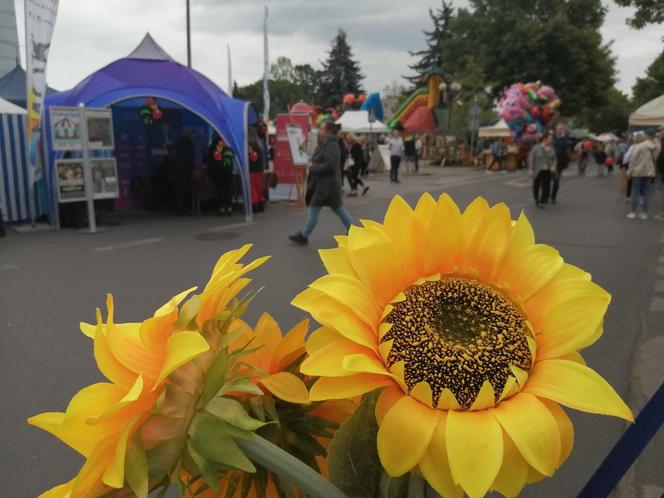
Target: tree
column 282, row 69
column 432, row 56
column 613, row 116
column 647, row 12
column 652, row 85
column 557, row 42
column 341, row 73
column 308, row 80
column 283, row 94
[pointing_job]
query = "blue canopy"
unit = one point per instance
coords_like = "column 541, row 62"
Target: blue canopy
column 150, row 72
column 13, row 87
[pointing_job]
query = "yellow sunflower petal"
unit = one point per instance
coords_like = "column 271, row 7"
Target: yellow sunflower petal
column 426, row 205
column 475, row 450
column 132, row 395
column 286, row 386
column 529, row 271
column 407, row 231
column 435, row 465
column 61, row 491
column 291, row 346
column 387, row 398
column 533, row 429
column 363, row 363
column 328, row 360
column 107, row 363
column 444, row 243
column 172, row 305
column 114, row 474
column 350, row 292
column 576, row 386
column 523, row 237
column 88, row 330
column 401, row 443
column 513, row 472
column 488, row 243
column 472, row 216
column 320, row 338
column 88, row 482
column 268, row 332
column 125, row 344
column 182, row 347
column 336, row 261
column 565, row 428
column 571, row 325
column 376, row 262
column 347, row 387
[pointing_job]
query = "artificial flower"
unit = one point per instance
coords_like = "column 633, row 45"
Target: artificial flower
column 153, row 384
column 472, row 332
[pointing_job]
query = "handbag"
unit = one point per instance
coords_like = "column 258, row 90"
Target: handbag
column 349, row 163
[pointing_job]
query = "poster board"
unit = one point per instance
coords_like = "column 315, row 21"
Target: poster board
column 71, row 180
column 284, row 168
column 100, row 129
column 66, row 128
column 297, row 144
column 105, row 178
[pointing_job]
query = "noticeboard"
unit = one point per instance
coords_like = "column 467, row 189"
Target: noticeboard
column 105, row 178
column 66, row 128
column 100, row 129
column 71, row 180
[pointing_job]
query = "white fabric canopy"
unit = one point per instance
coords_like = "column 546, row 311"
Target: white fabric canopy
column 498, row 130
column 649, row 114
column 7, row 107
column 358, row 122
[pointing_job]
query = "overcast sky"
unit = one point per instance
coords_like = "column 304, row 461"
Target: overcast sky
column 90, row 33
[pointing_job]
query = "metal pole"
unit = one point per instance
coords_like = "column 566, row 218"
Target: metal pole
column 188, row 37
column 87, row 172
column 32, row 198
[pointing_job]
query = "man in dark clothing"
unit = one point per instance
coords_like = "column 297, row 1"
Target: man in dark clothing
column 184, row 167
column 562, row 144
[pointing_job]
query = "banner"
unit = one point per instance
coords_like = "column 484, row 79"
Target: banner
column 266, row 71
column 39, row 23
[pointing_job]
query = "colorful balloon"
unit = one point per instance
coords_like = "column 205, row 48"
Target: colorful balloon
column 528, row 108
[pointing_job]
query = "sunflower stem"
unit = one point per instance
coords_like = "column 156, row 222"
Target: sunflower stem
column 416, row 487
column 285, row 465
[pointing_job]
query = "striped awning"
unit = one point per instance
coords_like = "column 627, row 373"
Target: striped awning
column 14, row 179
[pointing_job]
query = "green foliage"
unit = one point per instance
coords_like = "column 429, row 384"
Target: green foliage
column 136, row 465
column 652, row 85
column 432, row 56
column 341, row 74
column 647, row 12
column 612, row 116
column 353, row 456
column 557, row 42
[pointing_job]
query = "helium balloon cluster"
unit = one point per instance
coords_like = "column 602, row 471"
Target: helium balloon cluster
column 352, row 101
column 528, row 109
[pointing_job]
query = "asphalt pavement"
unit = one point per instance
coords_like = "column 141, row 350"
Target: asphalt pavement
column 51, row 280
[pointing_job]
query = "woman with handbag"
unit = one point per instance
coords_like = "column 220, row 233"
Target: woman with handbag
column 323, row 183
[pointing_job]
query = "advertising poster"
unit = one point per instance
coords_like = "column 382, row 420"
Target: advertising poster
column 71, row 182
column 66, row 128
column 100, row 129
column 104, row 178
column 297, row 145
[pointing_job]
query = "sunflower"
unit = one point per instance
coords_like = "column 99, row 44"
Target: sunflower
column 141, row 361
column 472, row 332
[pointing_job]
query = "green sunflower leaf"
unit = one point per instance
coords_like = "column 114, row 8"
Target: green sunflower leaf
column 215, row 377
column 352, row 458
column 393, row 487
column 241, row 384
column 209, row 470
column 233, row 412
column 136, row 467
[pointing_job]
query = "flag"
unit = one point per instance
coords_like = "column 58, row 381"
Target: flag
column 230, row 71
column 39, row 23
column 266, row 72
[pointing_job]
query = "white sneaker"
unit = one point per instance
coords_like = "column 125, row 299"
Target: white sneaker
column 631, row 215
column 643, row 216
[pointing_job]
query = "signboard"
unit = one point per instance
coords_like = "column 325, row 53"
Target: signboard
column 297, row 144
column 71, row 180
column 66, row 128
column 104, row 178
column 100, row 129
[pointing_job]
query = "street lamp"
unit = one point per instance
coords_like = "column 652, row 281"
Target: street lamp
column 451, row 95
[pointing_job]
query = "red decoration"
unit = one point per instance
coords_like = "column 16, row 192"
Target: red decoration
column 217, row 155
column 253, row 155
column 156, row 113
column 349, row 99
column 362, row 98
column 587, row 145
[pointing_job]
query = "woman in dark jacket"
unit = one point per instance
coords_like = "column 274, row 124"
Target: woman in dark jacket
column 219, row 159
column 359, row 163
column 324, row 182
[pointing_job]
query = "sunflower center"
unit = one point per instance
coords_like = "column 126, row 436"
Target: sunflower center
column 456, row 334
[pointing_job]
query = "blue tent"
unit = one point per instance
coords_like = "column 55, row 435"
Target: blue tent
column 14, row 177
column 13, row 87
column 150, row 72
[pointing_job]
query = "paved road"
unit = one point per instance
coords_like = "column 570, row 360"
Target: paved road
column 49, row 281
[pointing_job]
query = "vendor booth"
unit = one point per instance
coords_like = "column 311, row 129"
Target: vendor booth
column 359, row 122
column 649, row 114
column 14, row 174
column 513, row 154
column 155, row 101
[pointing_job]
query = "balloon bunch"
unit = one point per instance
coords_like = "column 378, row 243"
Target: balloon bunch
column 221, row 145
column 352, row 101
column 528, row 108
column 150, row 112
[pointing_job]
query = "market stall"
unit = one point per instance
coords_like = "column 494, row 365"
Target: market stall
column 14, row 174
column 359, row 122
column 649, row 114
column 187, row 101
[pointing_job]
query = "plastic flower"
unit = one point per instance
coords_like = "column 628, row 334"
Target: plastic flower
column 472, row 332
column 151, row 388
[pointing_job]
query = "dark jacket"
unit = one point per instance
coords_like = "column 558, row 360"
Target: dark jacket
column 563, row 146
column 219, row 170
column 324, row 180
column 255, row 160
column 357, row 154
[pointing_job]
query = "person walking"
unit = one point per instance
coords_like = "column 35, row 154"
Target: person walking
column 219, row 159
column 541, row 163
column 418, row 152
column 343, row 158
column 642, row 171
column 497, row 155
column 410, row 154
column 256, row 171
column 562, row 144
column 583, row 149
column 359, row 163
column 323, row 183
column 396, row 148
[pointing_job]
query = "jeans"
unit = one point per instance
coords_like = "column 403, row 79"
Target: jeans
column 312, row 219
column 394, row 168
column 541, row 186
column 641, row 186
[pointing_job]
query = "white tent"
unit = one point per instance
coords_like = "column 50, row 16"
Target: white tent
column 358, row 122
column 14, row 177
column 498, row 130
column 7, row 107
column 649, row 114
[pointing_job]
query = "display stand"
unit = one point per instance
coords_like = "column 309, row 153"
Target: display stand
column 300, row 187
